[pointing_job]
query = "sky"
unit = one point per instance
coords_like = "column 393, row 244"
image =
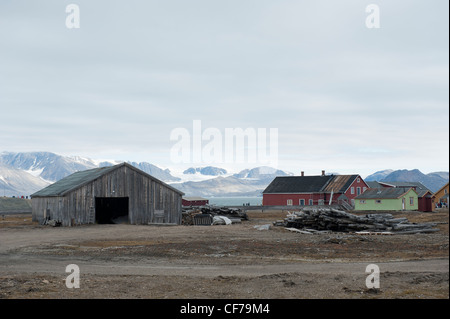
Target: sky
column 342, row 97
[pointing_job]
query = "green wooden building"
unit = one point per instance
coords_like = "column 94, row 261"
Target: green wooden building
column 387, row 199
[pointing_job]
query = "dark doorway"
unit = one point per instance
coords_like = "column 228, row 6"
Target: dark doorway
column 111, row 210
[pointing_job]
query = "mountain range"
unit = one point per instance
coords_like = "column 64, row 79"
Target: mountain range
column 27, row 172
column 208, row 170
column 248, row 182
column 16, row 182
column 433, row 181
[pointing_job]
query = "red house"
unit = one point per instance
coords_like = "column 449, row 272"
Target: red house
column 194, row 201
column 314, row 190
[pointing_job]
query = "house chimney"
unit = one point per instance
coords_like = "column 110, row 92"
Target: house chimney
column 323, row 173
column 303, row 173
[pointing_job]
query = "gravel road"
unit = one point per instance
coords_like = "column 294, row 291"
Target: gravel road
column 235, row 261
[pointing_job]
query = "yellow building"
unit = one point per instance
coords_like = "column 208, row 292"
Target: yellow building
column 441, row 196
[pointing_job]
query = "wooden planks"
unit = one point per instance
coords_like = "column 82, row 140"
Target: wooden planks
column 336, row 220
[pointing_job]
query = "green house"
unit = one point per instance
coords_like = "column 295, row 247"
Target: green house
column 387, row 199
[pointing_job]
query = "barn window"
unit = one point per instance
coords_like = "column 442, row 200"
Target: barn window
column 411, row 201
column 358, row 180
column 289, row 202
column 362, row 201
column 352, row 190
column 378, row 201
column 310, row 202
column 358, row 190
column 302, row 202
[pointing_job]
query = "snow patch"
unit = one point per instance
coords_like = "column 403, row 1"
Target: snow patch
column 45, row 180
column 97, row 162
column 197, row 177
column 34, row 172
column 266, row 170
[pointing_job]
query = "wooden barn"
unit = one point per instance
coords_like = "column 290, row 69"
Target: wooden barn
column 314, row 190
column 108, row 194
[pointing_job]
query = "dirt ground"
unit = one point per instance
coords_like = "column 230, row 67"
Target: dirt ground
column 220, row 262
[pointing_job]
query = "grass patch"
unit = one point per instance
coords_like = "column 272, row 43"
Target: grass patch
column 9, row 204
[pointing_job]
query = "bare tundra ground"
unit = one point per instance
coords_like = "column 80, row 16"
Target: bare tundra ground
column 233, row 261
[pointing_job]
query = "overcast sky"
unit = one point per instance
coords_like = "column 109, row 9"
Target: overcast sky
column 344, row 98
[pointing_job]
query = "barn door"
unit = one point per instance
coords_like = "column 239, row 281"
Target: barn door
column 111, row 210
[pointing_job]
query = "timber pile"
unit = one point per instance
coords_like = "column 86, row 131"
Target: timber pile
column 234, row 214
column 224, row 211
column 326, row 219
column 187, row 216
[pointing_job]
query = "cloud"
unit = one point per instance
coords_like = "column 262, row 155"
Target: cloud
column 136, row 70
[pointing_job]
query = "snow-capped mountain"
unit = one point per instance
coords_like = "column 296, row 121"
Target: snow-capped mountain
column 53, row 167
column 26, row 173
column 48, row 166
column 162, row 174
column 208, row 170
column 17, row 182
column 35, row 170
column 248, row 182
column 261, row 172
column 223, row 187
column 433, row 181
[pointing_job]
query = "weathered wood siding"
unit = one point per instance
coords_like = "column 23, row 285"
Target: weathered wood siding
column 146, row 195
column 43, row 207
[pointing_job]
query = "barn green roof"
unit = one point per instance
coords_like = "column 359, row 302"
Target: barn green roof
column 81, row 178
column 384, row 193
column 72, row 182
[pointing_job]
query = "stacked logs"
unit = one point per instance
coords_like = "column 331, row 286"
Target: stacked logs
column 187, row 216
column 225, row 211
column 234, row 214
column 330, row 219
